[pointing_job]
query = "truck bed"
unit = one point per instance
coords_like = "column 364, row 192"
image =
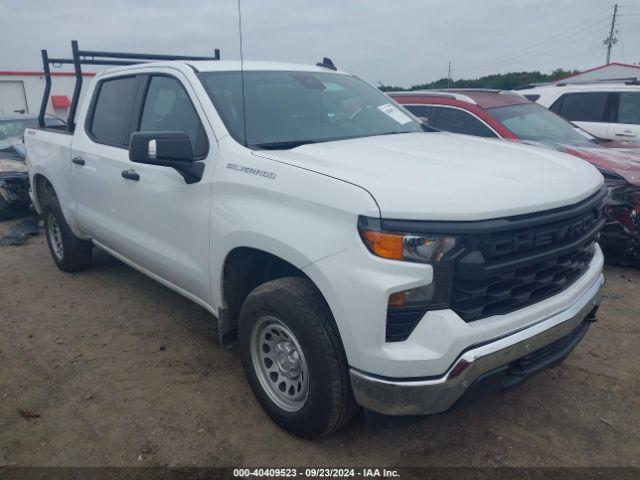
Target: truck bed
column 49, row 150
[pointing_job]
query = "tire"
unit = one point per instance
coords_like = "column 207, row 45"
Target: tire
column 70, row 253
column 5, row 210
column 321, row 400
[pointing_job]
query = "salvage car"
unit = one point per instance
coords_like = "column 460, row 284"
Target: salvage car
column 14, row 180
column 510, row 116
column 357, row 260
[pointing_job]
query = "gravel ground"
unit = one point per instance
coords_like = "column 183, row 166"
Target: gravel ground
column 121, row 371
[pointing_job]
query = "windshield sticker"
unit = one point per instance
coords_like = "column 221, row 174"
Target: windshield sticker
column 394, row 113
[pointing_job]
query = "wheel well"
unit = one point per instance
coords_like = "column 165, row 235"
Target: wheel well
column 245, row 269
column 43, row 190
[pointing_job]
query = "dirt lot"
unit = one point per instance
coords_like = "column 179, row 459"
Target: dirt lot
column 123, row 371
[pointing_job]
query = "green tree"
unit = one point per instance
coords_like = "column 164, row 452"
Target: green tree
column 499, row 81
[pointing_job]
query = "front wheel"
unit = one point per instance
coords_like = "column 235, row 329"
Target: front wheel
column 293, row 358
column 5, row 210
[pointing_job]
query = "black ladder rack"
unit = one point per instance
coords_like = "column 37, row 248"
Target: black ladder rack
column 90, row 57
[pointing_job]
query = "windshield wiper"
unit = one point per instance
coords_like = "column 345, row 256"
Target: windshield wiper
column 391, row 133
column 283, row 145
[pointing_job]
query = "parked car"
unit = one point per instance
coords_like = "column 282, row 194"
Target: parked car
column 604, row 109
column 356, row 259
column 510, row 116
column 14, row 180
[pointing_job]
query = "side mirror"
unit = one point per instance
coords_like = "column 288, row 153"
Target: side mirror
column 166, row 149
column 156, row 148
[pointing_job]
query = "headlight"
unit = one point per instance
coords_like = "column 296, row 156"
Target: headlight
column 622, row 192
column 404, row 246
column 406, row 307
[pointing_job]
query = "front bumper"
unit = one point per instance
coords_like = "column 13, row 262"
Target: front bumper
column 500, row 363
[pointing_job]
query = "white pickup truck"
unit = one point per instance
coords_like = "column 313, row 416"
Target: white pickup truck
column 356, row 258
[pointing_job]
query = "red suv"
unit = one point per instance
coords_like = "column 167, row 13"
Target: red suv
column 510, row 116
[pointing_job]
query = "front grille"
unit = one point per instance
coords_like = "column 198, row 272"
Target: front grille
column 527, row 259
column 501, row 265
column 513, row 289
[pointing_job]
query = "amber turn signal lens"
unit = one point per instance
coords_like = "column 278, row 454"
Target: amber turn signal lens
column 386, row 245
column 396, row 299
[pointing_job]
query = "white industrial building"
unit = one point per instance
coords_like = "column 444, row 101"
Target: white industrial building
column 21, row 92
column 611, row 71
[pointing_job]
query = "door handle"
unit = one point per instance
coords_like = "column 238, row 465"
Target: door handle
column 78, row 160
column 626, row 134
column 130, row 174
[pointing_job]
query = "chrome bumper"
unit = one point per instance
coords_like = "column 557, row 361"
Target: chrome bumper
column 436, row 395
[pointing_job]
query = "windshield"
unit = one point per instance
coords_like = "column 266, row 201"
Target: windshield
column 13, row 130
column 534, row 122
column 288, row 109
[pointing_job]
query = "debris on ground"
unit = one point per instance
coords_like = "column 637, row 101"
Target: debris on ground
column 20, row 233
column 606, row 422
column 28, row 414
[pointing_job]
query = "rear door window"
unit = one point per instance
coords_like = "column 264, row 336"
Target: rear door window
column 168, row 108
column 459, row 121
column 583, row 106
column 629, row 108
column 111, row 118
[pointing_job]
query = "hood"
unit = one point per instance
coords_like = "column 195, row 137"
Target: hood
column 12, row 159
column 442, row 176
column 622, row 144
column 624, row 162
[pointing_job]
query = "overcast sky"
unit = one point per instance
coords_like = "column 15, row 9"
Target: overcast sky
column 401, row 42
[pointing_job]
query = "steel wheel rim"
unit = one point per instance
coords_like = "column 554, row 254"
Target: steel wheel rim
column 279, row 364
column 55, row 237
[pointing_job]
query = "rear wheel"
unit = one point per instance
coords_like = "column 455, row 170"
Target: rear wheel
column 70, row 253
column 293, row 358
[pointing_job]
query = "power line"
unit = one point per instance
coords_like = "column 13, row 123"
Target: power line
column 624, row 57
column 587, row 26
column 542, row 50
column 595, row 46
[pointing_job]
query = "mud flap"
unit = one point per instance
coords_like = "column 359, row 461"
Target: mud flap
column 227, row 328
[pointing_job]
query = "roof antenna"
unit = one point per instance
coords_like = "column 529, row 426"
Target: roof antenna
column 326, row 63
column 244, row 104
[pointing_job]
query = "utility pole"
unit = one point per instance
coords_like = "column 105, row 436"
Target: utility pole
column 610, row 41
column 449, row 76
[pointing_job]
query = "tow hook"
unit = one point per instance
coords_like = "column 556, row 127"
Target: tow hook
column 591, row 316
